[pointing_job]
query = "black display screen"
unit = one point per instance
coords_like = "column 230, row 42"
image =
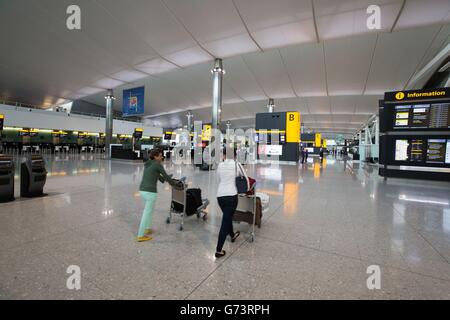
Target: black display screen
column 422, row 116
column 410, row 150
column 420, row 150
column 138, row 134
column 436, row 150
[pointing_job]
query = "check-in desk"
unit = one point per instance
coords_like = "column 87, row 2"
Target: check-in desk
column 6, row 178
column 87, row 149
column 118, row 152
column 33, row 176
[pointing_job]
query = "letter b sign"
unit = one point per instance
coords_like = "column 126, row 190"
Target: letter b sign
column 291, row 117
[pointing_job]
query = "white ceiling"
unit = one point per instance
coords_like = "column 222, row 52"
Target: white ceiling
column 315, row 56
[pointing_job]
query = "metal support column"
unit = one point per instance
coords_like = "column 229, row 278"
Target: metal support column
column 189, row 116
column 109, row 123
column 218, row 73
column 271, row 105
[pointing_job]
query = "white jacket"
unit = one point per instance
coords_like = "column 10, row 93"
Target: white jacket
column 226, row 172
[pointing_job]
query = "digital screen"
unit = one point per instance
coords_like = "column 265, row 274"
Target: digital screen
column 447, row 152
column 439, row 115
column 426, row 116
column 409, row 150
column 138, row 134
column 416, row 151
column 436, row 150
column 270, row 150
column 419, row 118
column 168, row 136
column 401, row 150
column 274, row 150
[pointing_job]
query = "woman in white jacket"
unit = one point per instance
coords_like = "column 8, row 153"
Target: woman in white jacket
column 227, row 197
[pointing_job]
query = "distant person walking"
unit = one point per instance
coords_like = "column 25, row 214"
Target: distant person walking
column 153, row 171
column 321, row 155
column 306, row 155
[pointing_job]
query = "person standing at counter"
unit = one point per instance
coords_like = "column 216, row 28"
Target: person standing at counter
column 153, row 171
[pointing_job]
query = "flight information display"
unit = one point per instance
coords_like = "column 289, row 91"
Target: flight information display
column 416, row 153
column 410, row 150
column 436, row 152
column 422, row 116
column 447, row 153
column 401, row 150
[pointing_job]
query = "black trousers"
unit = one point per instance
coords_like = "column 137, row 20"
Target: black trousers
column 228, row 206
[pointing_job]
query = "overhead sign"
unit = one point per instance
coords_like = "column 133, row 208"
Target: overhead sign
column 293, row 127
column 2, row 119
column 206, row 132
column 138, row 132
column 318, row 140
column 133, row 102
column 427, row 94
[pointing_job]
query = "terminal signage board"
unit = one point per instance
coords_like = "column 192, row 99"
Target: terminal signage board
column 318, row 140
column 421, row 110
column 133, row 101
column 293, row 127
column 411, row 95
column 2, row 119
column 138, row 132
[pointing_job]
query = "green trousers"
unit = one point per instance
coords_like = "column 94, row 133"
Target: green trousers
column 146, row 220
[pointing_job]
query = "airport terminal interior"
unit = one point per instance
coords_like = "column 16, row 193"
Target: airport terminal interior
column 337, row 111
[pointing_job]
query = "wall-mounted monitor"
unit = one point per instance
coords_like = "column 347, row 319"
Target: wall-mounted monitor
column 270, row 150
column 436, row 151
column 422, row 150
column 421, row 116
column 138, row 132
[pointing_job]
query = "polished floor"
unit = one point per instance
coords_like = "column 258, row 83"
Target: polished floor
column 324, row 227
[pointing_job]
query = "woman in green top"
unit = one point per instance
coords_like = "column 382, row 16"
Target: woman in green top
column 153, row 171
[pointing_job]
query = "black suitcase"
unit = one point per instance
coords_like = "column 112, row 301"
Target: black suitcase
column 193, row 201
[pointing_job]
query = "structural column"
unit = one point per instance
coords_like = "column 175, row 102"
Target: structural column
column 189, row 116
column 218, row 73
column 271, row 106
column 109, row 123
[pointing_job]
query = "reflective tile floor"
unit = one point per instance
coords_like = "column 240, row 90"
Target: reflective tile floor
column 325, row 226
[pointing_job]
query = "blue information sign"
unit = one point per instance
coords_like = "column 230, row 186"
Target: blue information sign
column 133, row 102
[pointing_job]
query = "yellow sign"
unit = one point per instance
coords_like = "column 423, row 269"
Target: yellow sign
column 139, row 129
column 293, row 127
column 435, row 93
column 324, row 143
column 399, row 95
column 2, row 116
column 318, row 140
column 206, row 132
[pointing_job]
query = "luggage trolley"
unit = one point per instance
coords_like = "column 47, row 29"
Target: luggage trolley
column 179, row 196
column 247, row 211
